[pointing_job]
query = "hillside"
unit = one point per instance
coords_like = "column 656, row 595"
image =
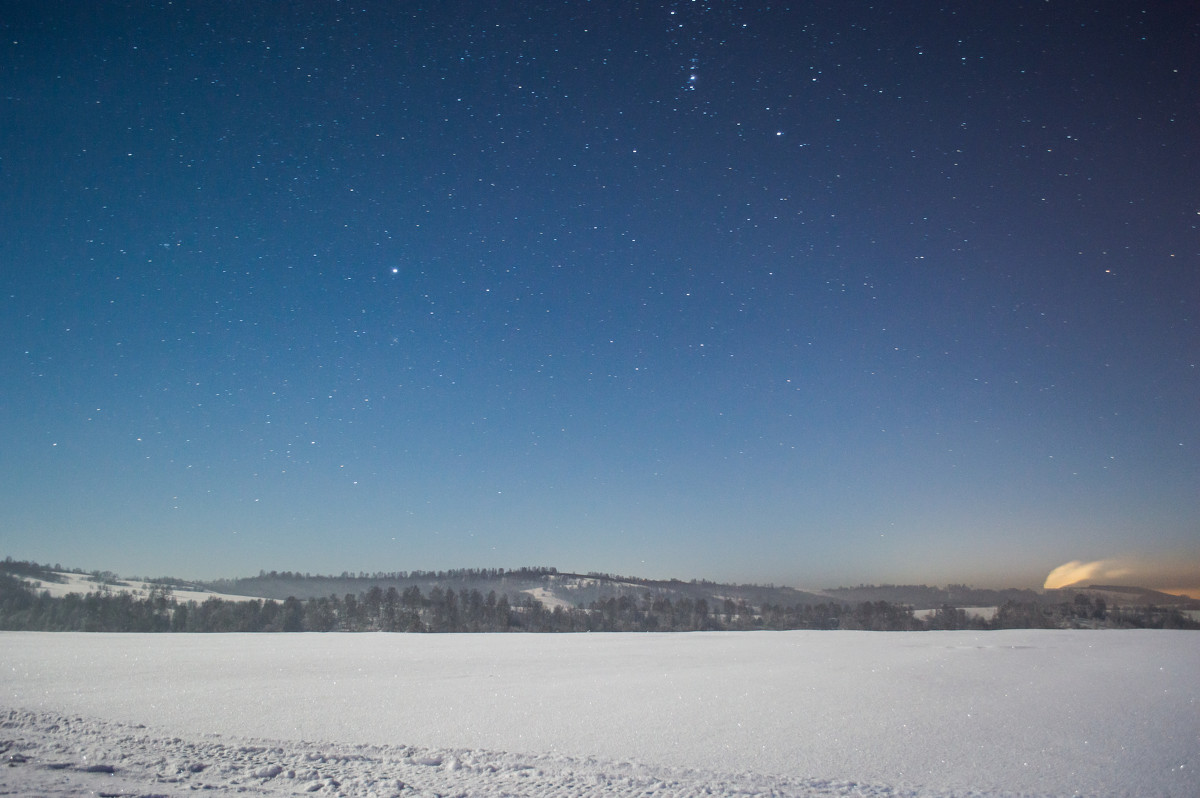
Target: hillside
column 924, row 597
column 547, row 585
column 1120, row 595
column 36, row 598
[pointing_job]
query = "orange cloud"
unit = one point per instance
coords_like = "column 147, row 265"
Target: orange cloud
column 1077, row 571
column 1178, row 574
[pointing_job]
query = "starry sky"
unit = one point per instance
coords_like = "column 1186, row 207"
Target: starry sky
column 812, row 294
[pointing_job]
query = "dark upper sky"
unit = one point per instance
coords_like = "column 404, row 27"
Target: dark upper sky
column 813, row 294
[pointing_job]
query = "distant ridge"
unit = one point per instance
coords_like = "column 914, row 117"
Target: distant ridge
column 925, row 597
column 546, row 584
column 1142, row 594
column 575, row 590
column 38, row 598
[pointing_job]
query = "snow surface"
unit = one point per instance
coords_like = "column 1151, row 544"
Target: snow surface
column 844, row 713
column 548, row 599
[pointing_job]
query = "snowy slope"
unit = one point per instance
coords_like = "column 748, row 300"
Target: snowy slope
column 793, row 713
column 84, row 584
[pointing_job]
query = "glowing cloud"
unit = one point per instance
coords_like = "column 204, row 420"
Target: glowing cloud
column 1076, row 571
column 1179, row 573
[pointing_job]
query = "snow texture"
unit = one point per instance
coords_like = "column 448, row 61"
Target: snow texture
column 1056, row 713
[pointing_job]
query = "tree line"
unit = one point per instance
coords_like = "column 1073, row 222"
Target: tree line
column 452, row 574
column 469, row 610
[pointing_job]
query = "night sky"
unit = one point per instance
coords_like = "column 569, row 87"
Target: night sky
column 820, row 294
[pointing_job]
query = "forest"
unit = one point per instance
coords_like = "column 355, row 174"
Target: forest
column 443, row 609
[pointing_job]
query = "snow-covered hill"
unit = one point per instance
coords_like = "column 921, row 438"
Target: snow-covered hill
column 67, row 582
column 551, row 587
column 795, row 713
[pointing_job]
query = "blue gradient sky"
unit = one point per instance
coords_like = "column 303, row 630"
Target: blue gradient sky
column 814, row 296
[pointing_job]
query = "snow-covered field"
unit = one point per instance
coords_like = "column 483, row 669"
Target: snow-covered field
column 83, row 584
column 1060, row 713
